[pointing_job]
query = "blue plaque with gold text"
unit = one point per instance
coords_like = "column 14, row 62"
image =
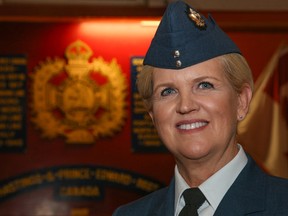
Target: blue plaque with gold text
column 13, row 69
column 144, row 135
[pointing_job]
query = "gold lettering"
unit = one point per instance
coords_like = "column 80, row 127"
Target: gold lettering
column 19, row 93
column 2, row 126
column 137, row 61
column 11, row 109
column 19, row 184
column 6, row 93
column 112, row 176
column 14, row 142
column 9, row 101
column 3, row 118
column 146, row 185
column 152, row 142
column 7, row 68
column 15, row 117
column 21, row 76
column 15, row 84
column 4, row 60
column 14, row 126
column 81, row 173
column 49, row 176
column 2, row 85
column 15, row 61
column 136, row 96
column 19, row 61
column 148, row 136
column 29, row 181
column 89, row 191
column 7, row 134
column 80, row 212
column 14, row 76
column 143, row 130
column 7, row 189
column 139, row 68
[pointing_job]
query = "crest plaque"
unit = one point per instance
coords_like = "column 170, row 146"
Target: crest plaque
column 78, row 99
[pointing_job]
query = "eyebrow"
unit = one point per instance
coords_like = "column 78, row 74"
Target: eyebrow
column 196, row 80
column 164, row 84
column 206, row 77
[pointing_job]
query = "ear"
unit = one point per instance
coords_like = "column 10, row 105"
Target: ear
column 244, row 99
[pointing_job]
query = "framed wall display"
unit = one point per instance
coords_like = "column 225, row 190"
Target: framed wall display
column 143, row 134
column 12, row 102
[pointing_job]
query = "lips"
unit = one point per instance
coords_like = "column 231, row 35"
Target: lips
column 191, row 126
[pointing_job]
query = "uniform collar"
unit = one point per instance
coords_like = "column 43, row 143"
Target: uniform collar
column 213, row 191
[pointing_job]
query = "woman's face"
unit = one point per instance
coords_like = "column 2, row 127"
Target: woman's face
column 195, row 110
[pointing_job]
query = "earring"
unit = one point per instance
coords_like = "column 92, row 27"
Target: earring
column 240, row 117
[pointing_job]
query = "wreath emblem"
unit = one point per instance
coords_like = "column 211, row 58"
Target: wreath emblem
column 81, row 100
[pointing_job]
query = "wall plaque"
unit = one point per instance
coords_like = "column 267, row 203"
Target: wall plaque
column 144, row 135
column 13, row 70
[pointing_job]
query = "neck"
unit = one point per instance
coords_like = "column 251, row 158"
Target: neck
column 195, row 172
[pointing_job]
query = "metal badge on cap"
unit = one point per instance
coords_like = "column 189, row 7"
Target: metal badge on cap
column 196, row 18
column 178, row 63
column 176, row 53
column 176, row 56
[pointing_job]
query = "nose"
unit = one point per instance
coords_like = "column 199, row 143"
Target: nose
column 186, row 104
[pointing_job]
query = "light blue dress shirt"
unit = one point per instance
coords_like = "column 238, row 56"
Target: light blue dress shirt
column 214, row 188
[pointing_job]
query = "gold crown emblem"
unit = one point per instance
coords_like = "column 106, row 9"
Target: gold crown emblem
column 78, row 52
column 80, row 100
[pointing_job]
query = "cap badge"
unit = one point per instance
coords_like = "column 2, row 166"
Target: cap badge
column 196, row 18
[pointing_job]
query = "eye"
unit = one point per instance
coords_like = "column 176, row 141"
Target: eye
column 168, row 91
column 206, row 85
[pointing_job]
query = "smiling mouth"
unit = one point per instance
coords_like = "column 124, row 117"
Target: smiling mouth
column 192, row 126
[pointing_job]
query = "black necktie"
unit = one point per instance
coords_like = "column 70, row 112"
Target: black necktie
column 194, row 198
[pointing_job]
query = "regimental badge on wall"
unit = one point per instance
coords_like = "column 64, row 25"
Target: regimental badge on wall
column 79, row 100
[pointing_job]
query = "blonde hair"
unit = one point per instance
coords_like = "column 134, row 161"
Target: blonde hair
column 235, row 66
column 237, row 71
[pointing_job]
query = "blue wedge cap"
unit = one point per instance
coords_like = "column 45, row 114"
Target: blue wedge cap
column 185, row 37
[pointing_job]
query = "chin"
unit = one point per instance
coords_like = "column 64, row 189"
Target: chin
column 195, row 153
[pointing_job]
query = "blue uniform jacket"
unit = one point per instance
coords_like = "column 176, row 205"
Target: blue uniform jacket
column 253, row 193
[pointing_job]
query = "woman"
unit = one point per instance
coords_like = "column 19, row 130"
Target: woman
column 196, row 91
column 196, row 109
